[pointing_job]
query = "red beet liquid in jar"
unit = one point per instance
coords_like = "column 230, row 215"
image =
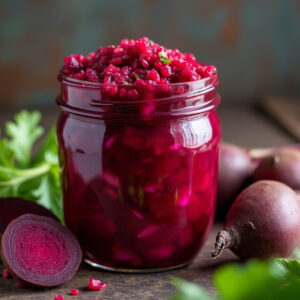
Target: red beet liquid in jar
column 139, row 175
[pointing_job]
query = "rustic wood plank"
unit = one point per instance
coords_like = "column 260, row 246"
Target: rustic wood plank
column 286, row 112
column 128, row 286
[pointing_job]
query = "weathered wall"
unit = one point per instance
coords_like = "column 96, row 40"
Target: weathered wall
column 254, row 43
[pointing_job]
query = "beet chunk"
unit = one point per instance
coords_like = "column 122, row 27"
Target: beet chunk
column 6, row 274
column 283, row 165
column 13, row 207
column 39, row 251
column 263, row 222
column 234, row 172
column 96, row 285
column 74, row 292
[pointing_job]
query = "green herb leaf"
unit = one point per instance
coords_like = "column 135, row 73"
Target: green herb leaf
column 275, row 279
column 36, row 177
column 163, row 57
column 23, row 133
column 189, row 291
column 48, row 150
column 139, row 76
column 48, row 193
column 297, row 253
column 6, row 154
column 127, row 83
column 288, row 267
column 250, row 281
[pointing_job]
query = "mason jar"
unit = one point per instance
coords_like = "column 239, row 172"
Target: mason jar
column 139, row 177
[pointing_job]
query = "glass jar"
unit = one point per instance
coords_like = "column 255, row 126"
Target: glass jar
column 139, row 177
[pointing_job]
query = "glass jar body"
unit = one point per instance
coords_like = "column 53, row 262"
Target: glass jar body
column 139, row 193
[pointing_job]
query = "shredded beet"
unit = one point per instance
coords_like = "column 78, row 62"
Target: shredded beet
column 6, row 274
column 39, row 251
column 19, row 285
column 136, row 63
column 13, row 207
column 59, row 297
column 96, row 285
column 74, row 292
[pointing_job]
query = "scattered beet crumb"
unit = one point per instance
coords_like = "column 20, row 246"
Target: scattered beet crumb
column 59, row 297
column 96, row 285
column 19, row 285
column 74, row 292
column 6, row 274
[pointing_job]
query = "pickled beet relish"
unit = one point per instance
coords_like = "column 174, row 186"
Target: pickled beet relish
column 140, row 64
column 138, row 193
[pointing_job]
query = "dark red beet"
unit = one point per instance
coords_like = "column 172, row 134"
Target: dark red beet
column 283, row 165
column 257, row 154
column 234, row 171
column 13, row 207
column 39, row 251
column 263, row 222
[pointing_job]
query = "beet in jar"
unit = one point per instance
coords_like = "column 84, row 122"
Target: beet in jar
column 139, row 173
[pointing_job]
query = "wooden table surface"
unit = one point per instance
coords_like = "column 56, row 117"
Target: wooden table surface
column 155, row 286
column 242, row 125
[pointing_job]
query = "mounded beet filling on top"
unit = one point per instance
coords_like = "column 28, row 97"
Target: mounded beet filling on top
column 136, row 63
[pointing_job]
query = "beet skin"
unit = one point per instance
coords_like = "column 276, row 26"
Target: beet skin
column 234, row 171
column 13, row 207
column 283, row 165
column 263, row 222
column 39, row 251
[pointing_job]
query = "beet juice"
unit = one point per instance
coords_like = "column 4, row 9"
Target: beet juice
column 138, row 142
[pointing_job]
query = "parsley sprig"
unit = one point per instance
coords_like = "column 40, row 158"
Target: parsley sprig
column 275, row 279
column 22, row 174
column 164, row 57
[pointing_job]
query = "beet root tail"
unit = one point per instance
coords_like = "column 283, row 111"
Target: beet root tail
column 225, row 239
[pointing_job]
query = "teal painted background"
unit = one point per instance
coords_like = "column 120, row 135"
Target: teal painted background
column 255, row 44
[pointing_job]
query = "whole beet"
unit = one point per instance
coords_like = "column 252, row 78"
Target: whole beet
column 263, row 222
column 234, row 172
column 283, row 165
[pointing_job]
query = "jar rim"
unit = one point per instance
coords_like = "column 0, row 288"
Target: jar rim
column 199, row 96
column 213, row 79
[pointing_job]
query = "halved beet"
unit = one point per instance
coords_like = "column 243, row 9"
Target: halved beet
column 39, row 251
column 13, row 207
